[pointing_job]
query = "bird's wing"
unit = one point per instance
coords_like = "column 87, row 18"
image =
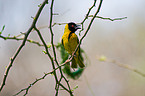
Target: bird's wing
column 79, row 46
column 62, row 42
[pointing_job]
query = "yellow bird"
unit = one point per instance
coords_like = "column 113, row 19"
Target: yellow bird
column 70, row 42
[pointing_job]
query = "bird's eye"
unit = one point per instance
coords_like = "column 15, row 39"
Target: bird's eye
column 72, row 25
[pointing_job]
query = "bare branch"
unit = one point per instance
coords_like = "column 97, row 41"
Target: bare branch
column 22, row 45
column 20, row 39
column 128, row 67
column 88, row 14
column 55, row 57
column 108, row 18
column 57, row 24
column 37, row 80
column 47, row 52
column 92, row 21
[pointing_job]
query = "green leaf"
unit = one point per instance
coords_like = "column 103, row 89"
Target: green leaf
column 49, row 46
column 44, row 52
column 2, row 29
column 11, row 59
column 8, row 35
column 39, row 5
column 75, row 88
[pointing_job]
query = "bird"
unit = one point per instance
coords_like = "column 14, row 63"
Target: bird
column 70, row 41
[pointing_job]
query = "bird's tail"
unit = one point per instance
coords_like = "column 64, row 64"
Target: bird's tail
column 79, row 61
column 74, row 64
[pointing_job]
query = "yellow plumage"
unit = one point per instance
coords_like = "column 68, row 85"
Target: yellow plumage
column 70, row 42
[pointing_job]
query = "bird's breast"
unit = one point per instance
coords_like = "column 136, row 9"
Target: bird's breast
column 70, row 42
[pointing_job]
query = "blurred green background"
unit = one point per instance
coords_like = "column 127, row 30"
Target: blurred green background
column 123, row 41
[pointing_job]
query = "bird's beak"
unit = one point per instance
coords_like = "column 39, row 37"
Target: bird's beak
column 78, row 27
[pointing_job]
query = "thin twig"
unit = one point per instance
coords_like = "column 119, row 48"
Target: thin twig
column 23, row 44
column 105, row 59
column 19, row 39
column 126, row 67
column 53, row 65
column 108, row 18
column 86, row 17
column 50, row 27
column 55, row 57
column 57, row 24
column 92, row 21
column 89, row 26
column 54, row 72
column 51, row 58
column 37, row 80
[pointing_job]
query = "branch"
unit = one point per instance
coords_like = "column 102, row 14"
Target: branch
column 89, row 26
column 46, row 47
column 55, row 57
column 57, row 24
column 23, row 43
column 47, row 52
column 18, row 39
column 51, row 58
column 51, row 31
column 104, row 59
column 92, row 21
column 37, row 80
column 108, row 18
column 45, row 74
column 88, row 14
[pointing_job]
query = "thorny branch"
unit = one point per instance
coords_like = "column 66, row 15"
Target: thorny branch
column 22, row 45
column 55, row 57
column 18, row 39
column 51, row 58
column 39, row 79
column 108, row 18
column 53, row 61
